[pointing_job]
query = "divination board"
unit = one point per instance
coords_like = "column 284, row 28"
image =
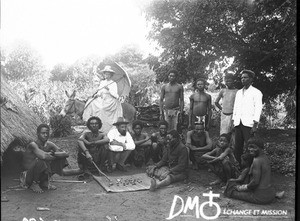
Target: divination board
column 133, row 182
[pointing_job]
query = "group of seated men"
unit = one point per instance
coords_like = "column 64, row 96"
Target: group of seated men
column 165, row 155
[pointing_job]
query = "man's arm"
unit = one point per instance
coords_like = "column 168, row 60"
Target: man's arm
column 115, row 142
column 181, row 96
column 112, row 141
column 256, row 175
column 143, row 141
column 182, row 162
column 40, row 153
column 130, row 143
column 83, row 138
column 53, row 147
column 257, row 110
column 102, row 141
column 209, row 111
column 191, row 110
column 220, row 95
column 235, row 106
column 189, row 140
column 209, row 155
column 163, row 161
column 208, row 145
column 161, row 102
column 222, row 155
column 56, row 150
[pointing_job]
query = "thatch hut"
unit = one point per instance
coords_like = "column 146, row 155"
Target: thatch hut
column 18, row 122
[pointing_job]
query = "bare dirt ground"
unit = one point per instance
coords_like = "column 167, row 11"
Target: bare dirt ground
column 89, row 201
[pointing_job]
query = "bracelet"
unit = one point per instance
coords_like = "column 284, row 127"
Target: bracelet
column 85, row 150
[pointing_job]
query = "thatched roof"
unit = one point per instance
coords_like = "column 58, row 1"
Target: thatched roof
column 18, row 122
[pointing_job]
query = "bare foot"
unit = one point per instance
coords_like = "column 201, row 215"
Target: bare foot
column 51, row 187
column 48, row 186
column 23, row 179
column 4, row 199
column 36, row 188
column 216, row 182
column 153, row 185
column 279, row 195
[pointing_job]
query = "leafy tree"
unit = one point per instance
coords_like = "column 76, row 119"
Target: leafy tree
column 261, row 36
column 22, row 62
column 60, row 72
column 84, row 72
column 128, row 55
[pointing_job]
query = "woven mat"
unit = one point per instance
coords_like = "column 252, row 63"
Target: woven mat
column 125, row 183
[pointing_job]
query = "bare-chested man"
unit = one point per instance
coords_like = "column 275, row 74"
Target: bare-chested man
column 93, row 146
column 41, row 160
column 199, row 143
column 171, row 100
column 259, row 190
column 200, row 106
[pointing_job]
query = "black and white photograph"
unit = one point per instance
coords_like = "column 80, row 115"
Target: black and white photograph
column 121, row 110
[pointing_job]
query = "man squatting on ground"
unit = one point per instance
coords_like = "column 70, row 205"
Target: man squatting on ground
column 199, row 143
column 93, row 146
column 141, row 154
column 159, row 141
column 259, row 190
column 221, row 160
column 121, row 144
column 200, row 106
column 41, row 160
column 173, row 167
column 171, row 100
column 246, row 112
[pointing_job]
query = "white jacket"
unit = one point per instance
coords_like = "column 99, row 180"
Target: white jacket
column 247, row 106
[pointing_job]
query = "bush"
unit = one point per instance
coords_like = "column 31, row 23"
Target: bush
column 61, row 126
column 283, row 157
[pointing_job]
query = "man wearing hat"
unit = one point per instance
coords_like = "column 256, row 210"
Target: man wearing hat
column 246, row 112
column 121, row 143
column 105, row 103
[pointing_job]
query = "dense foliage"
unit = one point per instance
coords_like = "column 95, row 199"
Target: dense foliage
column 60, row 126
column 282, row 157
column 259, row 35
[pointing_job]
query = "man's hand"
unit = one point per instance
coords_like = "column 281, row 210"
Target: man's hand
column 254, row 128
column 150, row 170
column 232, row 129
column 241, row 188
column 124, row 146
column 213, row 161
column 192, row 147
column 50, row 156
column 88, row 156
column 162, row 117
column 207, row 126
column 61, row 154
column 88, row 142
column 164, row 175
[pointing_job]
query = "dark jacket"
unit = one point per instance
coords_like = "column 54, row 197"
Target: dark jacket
column 176, row 158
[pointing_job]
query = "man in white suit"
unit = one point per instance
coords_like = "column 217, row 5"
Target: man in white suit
column 246, row 112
